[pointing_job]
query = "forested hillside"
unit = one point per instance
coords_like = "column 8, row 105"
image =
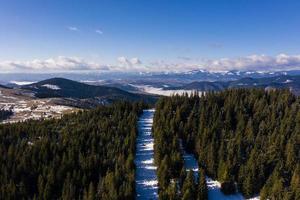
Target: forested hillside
column 174, row 181
column 65, row 88
column 250, row 137
column 86, row 155
column 4, row 114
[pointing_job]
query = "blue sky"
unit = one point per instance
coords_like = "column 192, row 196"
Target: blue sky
column 148, row 33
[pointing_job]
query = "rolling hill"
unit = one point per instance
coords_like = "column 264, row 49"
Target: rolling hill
column 65, row 88
column 2, row 86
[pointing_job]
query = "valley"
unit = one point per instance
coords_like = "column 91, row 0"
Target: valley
column 56, row 96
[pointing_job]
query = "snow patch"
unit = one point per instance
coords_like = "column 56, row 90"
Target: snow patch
column 214, row 187
column 52, row 87
column 214, row 191
column 149, row 146
column 152, row 183
column 150, row 161
column 22, row 82
column 151, row 167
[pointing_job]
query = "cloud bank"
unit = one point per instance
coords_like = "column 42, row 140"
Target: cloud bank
column 133, row 64
column 256, row 62
column 252, row 63
column 66, row 64
column 59, row 64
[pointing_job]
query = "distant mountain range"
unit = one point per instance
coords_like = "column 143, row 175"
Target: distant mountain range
column 150, row 77
column 282, row 81
column 99, row 88
column 203, row 75
column 65, row 88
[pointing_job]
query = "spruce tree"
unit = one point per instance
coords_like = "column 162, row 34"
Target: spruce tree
column 202, row 186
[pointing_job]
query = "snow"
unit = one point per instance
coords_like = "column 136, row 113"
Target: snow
column 93, row 82
column 22, row 82
column 150, row 161
column 190, row 162
column 288, row 81
column 52, row 87
column 214, row 191
column 254, row 198
column 214, row 187
column 6, row 97
column 145, row 177
column 24, row 107
column 161, row 91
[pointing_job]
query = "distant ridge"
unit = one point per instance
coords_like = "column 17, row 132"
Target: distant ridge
column 2, row 86
column 280, row 82
column 65, row 88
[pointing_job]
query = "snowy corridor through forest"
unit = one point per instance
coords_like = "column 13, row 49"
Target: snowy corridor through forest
column 146, row 179
column 214, row 187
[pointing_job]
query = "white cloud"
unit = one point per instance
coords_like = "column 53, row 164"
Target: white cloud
column 123, row 60
column 57, row 64
column 124, row 64
column 254, row 62
column 135, row 61
column 73, row 28
column 128, row 62
column 98, row 31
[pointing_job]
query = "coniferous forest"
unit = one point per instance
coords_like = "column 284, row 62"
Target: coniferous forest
column 248, row 139
column 4, row 114
column 87, row 155
column 174, row 181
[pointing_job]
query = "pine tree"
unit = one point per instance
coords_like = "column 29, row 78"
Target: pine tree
column 163, row 172
column 295, row 182
column 188, row 195
column 202, row 186
column 91, row 192
column 189, row 186
column 172, row 191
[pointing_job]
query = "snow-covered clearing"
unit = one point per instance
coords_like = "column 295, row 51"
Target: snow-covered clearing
column 145, row 177
column 25, row 107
